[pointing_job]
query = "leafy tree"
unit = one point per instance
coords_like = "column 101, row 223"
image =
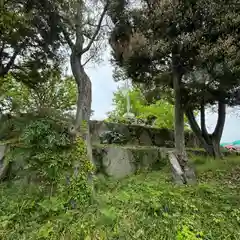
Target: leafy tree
column 27, row 42
column 161, row 111
column 57, row 93
column 167, row 43
column 82, row 30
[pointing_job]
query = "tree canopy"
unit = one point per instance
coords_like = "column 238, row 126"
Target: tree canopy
column 27, row 42
column 188, row 46
column 56, row 92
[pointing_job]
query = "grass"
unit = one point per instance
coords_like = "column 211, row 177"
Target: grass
column 144, row 206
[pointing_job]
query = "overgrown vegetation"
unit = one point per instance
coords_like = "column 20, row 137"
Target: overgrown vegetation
column 43, row 182
column 186, row 55
column 145, row 206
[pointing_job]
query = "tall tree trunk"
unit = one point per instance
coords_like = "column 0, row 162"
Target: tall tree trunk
column 83, row 82
column 180, row 156
column 217, row 134
column 179, row 120
column 84, row 101
column 210, row 142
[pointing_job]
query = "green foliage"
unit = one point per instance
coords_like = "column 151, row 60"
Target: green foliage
column 55, row 172
column 201, row 34
column 49, row 150
column 110, row 137
column 187, row 234
column 55, row 92
column 24, row 38
column 160, row 111
column 145, row 206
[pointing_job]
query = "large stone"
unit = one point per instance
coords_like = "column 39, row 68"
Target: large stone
column 3, row 164
column 177, row 171
column 2, row 150
column 144, row 138
column 121, row 161
column 98, row 128
column 140, row 134
column 118, row 162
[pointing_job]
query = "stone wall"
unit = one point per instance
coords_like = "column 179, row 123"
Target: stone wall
column 140, row 135
column 120, row 150
column 140, row 148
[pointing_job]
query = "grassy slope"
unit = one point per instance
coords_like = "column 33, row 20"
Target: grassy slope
column 146, row 206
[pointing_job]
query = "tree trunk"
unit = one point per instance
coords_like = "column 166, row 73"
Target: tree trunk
column 84, row 101
column 179, row 121
column 216, row 148
column 83, row 82
column 210, row 142
column 217, row 134
column 188, row 175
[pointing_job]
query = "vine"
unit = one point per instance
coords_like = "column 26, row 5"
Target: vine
column 50, row 157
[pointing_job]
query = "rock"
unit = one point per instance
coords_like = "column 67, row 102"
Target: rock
column 100, row 128
column 139, row 134
column 121, row 161
column 145, row 138
column 117, row 162
column 177, row 171
column 181, row 175
column 161, row 137
column 3, row 164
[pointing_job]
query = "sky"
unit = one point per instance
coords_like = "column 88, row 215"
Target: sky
column 103, row 87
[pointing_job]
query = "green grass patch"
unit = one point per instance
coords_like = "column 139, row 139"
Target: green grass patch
column 144, row 206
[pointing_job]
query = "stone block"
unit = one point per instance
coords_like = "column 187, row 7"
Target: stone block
column 121, row 161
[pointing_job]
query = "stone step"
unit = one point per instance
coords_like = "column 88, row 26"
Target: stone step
column 108, row 133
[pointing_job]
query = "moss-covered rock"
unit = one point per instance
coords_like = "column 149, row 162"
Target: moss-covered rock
column 137, row 135
column 120, row 161
column 3, row 162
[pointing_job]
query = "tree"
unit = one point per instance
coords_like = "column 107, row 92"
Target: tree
column 163, row 43
column 26, row 40
column 81, row 28
column 160, row 111
column 57, row 93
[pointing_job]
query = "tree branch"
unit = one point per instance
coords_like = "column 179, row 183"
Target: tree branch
column 196, row 129
column 10, row 63
column 97, row 29
column 203, row 123
column 221, row 120
column 88, row 60
column 193, row 123
column 67, row 36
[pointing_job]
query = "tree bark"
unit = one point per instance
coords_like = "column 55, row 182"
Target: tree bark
column 188, row 175
column 210, row 142
column 217, row 134
column 84, row 87
column 179, row 120
column 84, row 101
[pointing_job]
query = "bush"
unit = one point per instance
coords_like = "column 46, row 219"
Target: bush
column 57, row 172
column 145, row 206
